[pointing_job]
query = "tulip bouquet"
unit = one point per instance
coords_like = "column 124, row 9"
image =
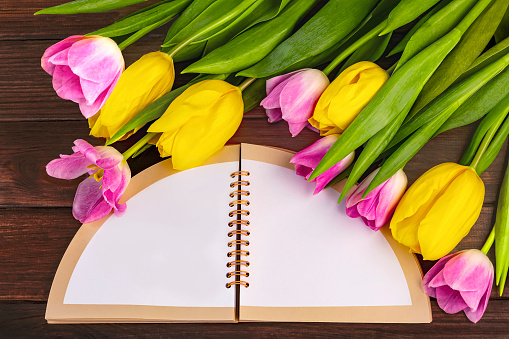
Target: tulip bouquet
column 312, row 64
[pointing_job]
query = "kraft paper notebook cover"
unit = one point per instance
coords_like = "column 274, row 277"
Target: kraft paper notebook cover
column 240, row 238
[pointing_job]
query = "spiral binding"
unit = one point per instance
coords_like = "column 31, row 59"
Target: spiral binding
column 238, row 244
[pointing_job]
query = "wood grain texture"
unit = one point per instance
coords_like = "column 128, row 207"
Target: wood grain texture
column 36, row 224
column 26, row 320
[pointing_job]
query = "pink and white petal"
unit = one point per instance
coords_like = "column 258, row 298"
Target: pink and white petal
column 272, row 99
column 450, row 300
column 430, row 275
column 303, row 171
column 474, row 315
column 67, row 84
column 367, row 207
column 352, row 212
column 89, row 110
column 68, row 166
column 92, row 90
column 108, row 157
column 113, row 194
column 438, row 280
column 300, row 95
column 113, row 178
column 313, row 154
column 468, row 271
column 296, row 127
column 274, row 114
column 60, row 58
column 96, row 59
column 273, row 82
column 89, row 204
column 54, row 49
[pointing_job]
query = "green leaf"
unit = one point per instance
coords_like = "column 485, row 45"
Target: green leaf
column 463, row 55
column 340, row 177
column 494, row 53
column 157, row 108
column 436, row 27
column 374, row 147
column 479, row 104
column 502, row 233
column 254, row 44
column 406, row 11
column 322, row 32
column 370, row 51
column 401, row 45
column 390, row 101
column 448, row 102
column 165, row 11
column 88, row 6
column 494, row 118
column 502, row 31
column 496, row 144
column 254, row 94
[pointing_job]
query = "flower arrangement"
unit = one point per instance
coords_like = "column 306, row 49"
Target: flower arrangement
column 312, row 64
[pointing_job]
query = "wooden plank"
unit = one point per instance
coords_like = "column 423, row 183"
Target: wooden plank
column 26, row 320
column 17, row 21
column 26, row 147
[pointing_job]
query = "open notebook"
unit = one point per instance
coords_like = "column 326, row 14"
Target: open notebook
column 240, row 238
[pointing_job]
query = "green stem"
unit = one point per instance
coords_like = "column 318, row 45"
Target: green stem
column 246, row 83
column 485, row 143
column 137, row 146
column 222, row 20
column 142, row 32
column 489, row 242
column 353, row 47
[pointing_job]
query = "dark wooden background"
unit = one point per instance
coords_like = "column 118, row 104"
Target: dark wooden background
column 36, row 224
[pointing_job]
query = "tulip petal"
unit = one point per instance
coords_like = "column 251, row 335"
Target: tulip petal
column 97, row 59
column 89, row 204
column 450, row 300
column 271, row 83
column 452, row 215
column 115, row 182
column 60, row 58
column 274, row 114
column 68, row 166
column 313, row 154
column 468, row 271
column 302, row 170
column 48, row 66
column 474, row 315
column 67, row 84
column 204, row 135
column 296, row 127
column 300, row 95
column 434, row 271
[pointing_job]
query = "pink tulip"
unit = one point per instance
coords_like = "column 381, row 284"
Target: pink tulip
column 85, row 70
column 108, row 178
column 461, row 282
column 378, row 206
column 306, row 161
column 293, row 97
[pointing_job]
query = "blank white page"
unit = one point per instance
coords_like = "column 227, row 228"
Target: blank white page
column 169, row 248
column 306, row 252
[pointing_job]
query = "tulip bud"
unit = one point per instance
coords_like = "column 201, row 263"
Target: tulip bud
column 438, row 210
column 293, row 96
column 85, row 70
column 346, row 96
column 461, row 282
column 199, row 122
column 142, row 83
column 306, row 161
column 377, row 207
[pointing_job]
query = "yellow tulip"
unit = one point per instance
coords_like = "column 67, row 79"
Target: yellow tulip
column 346, row 96
column 143, row 82
column 199, row 122
column 438, row 210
